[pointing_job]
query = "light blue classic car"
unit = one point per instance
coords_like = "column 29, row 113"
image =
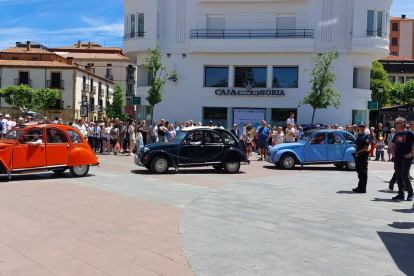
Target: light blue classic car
column 316, row 147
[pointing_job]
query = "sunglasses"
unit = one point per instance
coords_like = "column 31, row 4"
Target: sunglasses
column 397, row 123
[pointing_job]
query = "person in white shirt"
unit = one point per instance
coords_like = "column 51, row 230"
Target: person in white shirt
column 291, row 119
column 82, row 128
column 37, row 140
column 10, row 122
column 56, row 120
column 290, row 133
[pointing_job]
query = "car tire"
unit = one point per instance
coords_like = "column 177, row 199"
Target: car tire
column 338, row 165
column 218, row 167
column 232, row 167
column 79, row 171
column 350, row 165
column 59, row 171
column 288, row 161
column 159, row 165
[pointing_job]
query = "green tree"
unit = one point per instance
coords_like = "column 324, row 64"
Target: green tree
column 322, row 94
column 380, row 76
column 402, row 93
column 26, row 99
column 114, row 110
column 157, row 76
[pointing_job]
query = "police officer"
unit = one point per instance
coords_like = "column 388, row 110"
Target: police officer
column 361, row 158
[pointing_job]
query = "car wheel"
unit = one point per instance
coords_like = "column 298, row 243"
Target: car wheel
column 351, row 165
column 218, row 167
column 232, row 167
column 159, row 165
column 79, row 171
column 288, row 161
column 339, row 165
column 59, row 171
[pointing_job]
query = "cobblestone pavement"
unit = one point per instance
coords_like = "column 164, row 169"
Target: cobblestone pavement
column 123, row 220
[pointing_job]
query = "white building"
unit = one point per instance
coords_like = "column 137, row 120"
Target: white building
column 32, row 64
column 107, row 62
column 219, row 47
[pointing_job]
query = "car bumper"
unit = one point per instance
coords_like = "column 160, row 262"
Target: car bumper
column 137, row 160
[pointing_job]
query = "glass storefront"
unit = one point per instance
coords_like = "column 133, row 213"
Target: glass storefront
column 359, row 116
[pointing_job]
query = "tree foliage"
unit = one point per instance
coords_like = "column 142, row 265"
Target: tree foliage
column 380, row 77
column 322, row 94
column 157, row 75
column 26, row 99
column 114, row 110
column 402, row 93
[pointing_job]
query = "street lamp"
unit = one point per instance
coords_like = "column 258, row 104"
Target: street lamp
column 380, row 91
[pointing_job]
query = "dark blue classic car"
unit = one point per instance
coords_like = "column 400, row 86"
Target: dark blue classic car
column 195, row 147
column 316, row 147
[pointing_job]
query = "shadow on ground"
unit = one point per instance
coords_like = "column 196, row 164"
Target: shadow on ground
column 305, row 168
column 400, row 254
column 386, row 200
column 185, row 171
column 345, row 192
column 402, row 225
column 38, row 176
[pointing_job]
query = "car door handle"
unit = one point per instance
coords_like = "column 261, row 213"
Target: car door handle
column 68, row 146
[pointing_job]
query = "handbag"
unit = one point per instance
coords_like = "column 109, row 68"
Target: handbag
column 139, row 136
column 118, row 146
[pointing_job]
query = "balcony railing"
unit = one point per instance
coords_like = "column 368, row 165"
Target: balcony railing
column 18, row 82
column 59, row 105
column 93, row 90
column 130, row 93
column 251, row 34
column 91, row 107
column 102, row 93
column 55, row 84
column 85, row 87
column 109, row 77
column 378, row 34
column 134, row 35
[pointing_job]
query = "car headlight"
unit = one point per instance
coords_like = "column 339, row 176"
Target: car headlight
column 146, row 149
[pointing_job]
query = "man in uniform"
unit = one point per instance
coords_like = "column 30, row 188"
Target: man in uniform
column 361, row 158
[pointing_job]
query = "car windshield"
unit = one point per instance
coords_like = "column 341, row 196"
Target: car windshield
column 180, row 136
column 13, row 134
column 305, row 136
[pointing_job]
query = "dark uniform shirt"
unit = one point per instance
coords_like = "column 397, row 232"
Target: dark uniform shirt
column 362, row 141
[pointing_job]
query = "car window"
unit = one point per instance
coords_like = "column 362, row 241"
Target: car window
column 349, row 139
column 74, row 137
column 318, row 139
column 335, row 138
column 13, row 134
column 194, row 138
column 228, row 139
column 213, row 138
column 33, row 135
column 55, row 136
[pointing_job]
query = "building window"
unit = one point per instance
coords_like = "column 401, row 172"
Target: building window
column 394, row 41
column 109, row 65
column 286, row 25
column 285, row 77
column 35, row 59
column 401, row 79
column 252, row 76
column 141, row 24
column 395, row 27
column 216, row 77
column 370, row 23
column 409, row 79
column 15, row 58
column 379, row 24
column 355, row 78
column 394, row 54
column 391, row 79
column 132, row 25
column 215, row 113
column 215, row 26
column 129, row 101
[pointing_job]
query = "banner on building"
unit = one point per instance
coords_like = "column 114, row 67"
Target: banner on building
column 249, row 115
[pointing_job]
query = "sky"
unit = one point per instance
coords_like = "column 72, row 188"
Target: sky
column 56, row 23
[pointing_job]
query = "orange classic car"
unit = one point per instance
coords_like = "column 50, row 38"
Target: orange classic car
column 45, row 147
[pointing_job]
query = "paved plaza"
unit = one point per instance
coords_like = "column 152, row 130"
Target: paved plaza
column 123, row 220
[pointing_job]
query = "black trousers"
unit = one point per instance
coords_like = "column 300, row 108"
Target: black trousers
column 402, row 171
column 361, row 163
column 90, row 141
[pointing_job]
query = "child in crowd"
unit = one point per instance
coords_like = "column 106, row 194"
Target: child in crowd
column 380, row 149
